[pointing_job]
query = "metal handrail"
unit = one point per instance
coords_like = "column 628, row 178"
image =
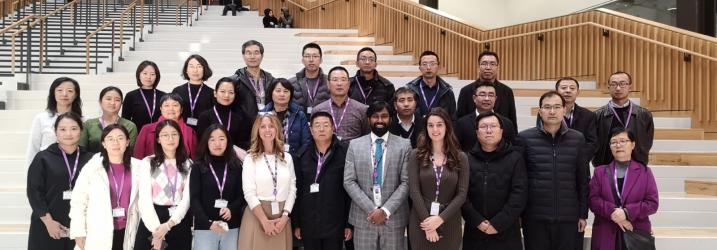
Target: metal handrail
column 131, row 8
column 189, row 11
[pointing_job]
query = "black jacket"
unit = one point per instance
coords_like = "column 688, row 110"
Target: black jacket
column 504, row 103
column 240, row 130
column 583, row 121
column 205, row 101
column 324, row 214
column 444, row 98
column 498, row 193
column 641, row 124
column 246, row 96
column 556, row 166
column 376, row 89
column 204, row 191
column 465, row 130
column 396, row 129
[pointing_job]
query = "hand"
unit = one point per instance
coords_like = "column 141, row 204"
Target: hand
column 483, row 227
column 348, row 234
column 582, row 223
column 431, row 223
column 225, row 213
column 269, row 227
column 157, row 243
column 432, row 236
column 215, row 227
column 241, row 153
column 377, row 216
column 491, row 230
column 54, row 228
column 161, row 231
column 625, row 225
column 297, row 233
column 80, row 242
column 281, row 223
column 618, row 215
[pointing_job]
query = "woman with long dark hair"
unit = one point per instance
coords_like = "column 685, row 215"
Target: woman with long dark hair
column 269, row 185
column 164, row 192
column 50, row 179
column 110, row 102
column 235, row 121
column 106, row 194
column 197, row 96
column 438, row 182
column 64, row 96
column 171, row 109
column 141, row 106
column 216, row 192
column 295, row 125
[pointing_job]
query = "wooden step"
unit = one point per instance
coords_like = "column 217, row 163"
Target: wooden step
column 352, row 43
column 683, row 159
column 308, row 34
column 659, row 113
column 6, row 228
column 383, row 62
column 679, row 134
column 701, row 186
column 353, row 52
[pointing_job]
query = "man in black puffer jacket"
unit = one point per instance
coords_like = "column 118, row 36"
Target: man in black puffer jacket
column 556, row 163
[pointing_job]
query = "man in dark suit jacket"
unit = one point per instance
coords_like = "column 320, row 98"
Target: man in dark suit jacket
column 489, row 65
column 319, row 168
column 484, row 100
column 407, row 123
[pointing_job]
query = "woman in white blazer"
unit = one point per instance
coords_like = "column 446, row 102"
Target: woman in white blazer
column 164, row 192
column 103, row 209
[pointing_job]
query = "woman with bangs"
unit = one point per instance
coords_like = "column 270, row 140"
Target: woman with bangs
column 140, row 105
column 196, row 95
column 110, row 102
column 236, row 122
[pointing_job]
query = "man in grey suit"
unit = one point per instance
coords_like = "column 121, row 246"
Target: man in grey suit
column 376, row 179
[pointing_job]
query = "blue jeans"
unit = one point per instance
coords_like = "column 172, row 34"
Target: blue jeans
column 208, row 240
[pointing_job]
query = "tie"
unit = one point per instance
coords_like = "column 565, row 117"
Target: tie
column 378, row 157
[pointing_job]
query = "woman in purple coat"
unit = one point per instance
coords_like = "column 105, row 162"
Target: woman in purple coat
column 636, row 189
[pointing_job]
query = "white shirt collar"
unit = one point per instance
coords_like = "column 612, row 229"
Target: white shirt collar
column 374, row 137
column 478, row 113
column 614, row 105
column 413, row 119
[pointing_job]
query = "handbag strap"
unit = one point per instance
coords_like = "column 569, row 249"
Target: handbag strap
column 609, row 173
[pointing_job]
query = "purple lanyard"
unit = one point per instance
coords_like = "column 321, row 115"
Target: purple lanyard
column 570, row 118
column 438, row 174
column 286, row 128
column 193, row 103
column 624, row 180
column 274, row 174
column 629, row 114
column 150, row 112
column 120, row 188
column 319, row 164
column 173, row 185
column 229, row 119
column 375, row 162
column 220, row 186
column 258, row 86
column 425, row 101
column 316, row 89
column 337, row 125
column 72, row 171
column 365, row 96
column 103, row 124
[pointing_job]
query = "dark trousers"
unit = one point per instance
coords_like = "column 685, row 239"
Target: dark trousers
column 118, row 239
column 539, row 235
column 579, row 241
column 39, row 239
column 227, row 7
column 179, row 238
column 323, row 244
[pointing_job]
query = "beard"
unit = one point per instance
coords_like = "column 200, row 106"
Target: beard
column 379, row 131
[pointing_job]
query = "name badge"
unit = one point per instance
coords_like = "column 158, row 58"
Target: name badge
column 192, row 121
column 435, row 208
column 308, row 110
column 339, row 137
column 274, row 207
column 67, row 195
column 171, row 210
column 314, row 188
column 286, row 147
column 224, row 226
column 377, row 195
column 118, row 212
column 220, row 203
column 65, row 233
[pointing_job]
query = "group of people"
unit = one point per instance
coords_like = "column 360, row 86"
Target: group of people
column 334, row 160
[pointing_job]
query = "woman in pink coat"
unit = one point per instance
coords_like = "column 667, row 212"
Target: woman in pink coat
column 171, row 108
column 637, row 193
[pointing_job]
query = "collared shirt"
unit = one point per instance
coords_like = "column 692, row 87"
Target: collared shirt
column 620, row 106
column 354, row 123
column 407, row 126
column 383, row 160
column 478, row 113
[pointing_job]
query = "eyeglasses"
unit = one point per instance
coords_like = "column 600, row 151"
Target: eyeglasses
column 367, row 59
column 621, row 143
column 551, row 108
column 116, row 139
column 429, row 64
column 484, row 95
column 618, row 84
column 339, row 79
column 252, row 53
column 489, row 127
column 309, row 57
column 488, row 64
column 168, row 136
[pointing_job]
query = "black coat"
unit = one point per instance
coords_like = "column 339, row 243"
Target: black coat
column 556, row 166
column 47, row 179
column 324, row 214
column 584, row 121
column 465, row 130
column 444, row 98
column 135, row 110
column 245, row 99
column 498, row 193
column 376, row 89
column 641, row 124
column 205, row 101
column 204, row 191
column 504, row 103
column 241, row 125
column 396, row 129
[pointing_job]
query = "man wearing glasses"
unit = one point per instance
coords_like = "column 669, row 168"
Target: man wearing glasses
column 310, row 87
column 349, row 115
column 252, row 80
column 557, row 209
column 367, row 86
column 484, row 101
column 489, row 64
column 433, row 91
column 620, row 111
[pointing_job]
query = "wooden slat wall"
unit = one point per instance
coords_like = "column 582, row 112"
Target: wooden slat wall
column 665, row 80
